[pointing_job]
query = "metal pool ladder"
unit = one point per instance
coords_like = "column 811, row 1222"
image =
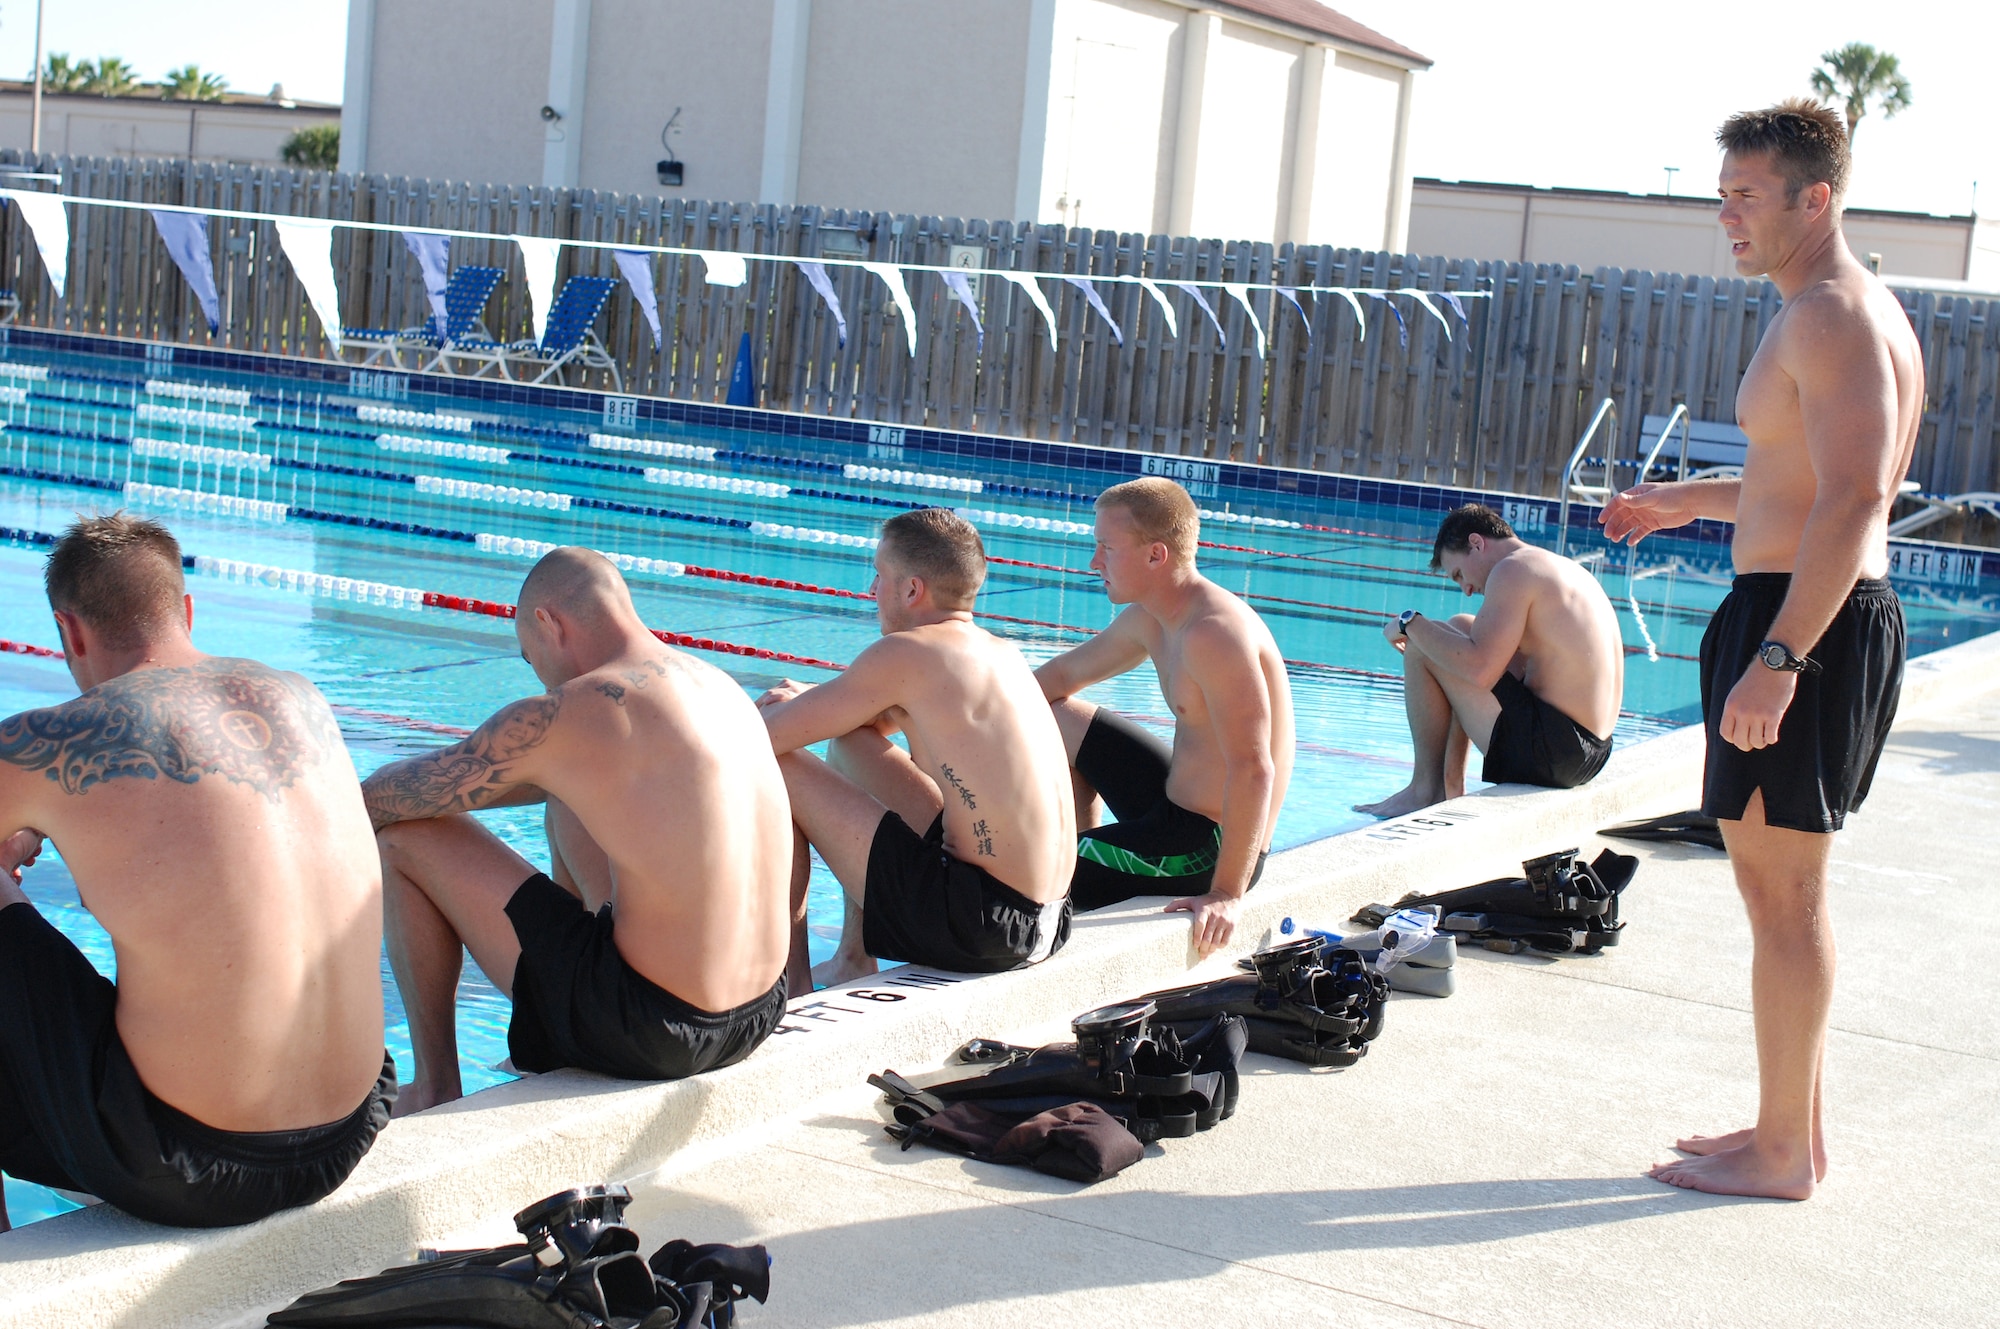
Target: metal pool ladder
column 1571, row 489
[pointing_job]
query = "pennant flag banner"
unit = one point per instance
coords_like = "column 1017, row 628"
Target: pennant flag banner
column 1435, row 312
column 1292, row 293
column 1402, row 328
column 1451, row 298
column 1361, row 319
column 1041, row 302
column 46, row 218
column 892, row 277
column 816, row 274
column 1152, row 288
column 724, row 269
column 308, row 243
column 1242, row 293
column 433, row 255
column 962, row 288
column 1097, row 303
column 637, row 268
column 538, row 264
column 185, row 235
column 1202, row 300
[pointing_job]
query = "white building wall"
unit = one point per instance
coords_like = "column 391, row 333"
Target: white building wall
column 914, row 106
column 144, row 127
column 1246, row 135
column 1354, row 169
column 456, row 87
column 1113, row 95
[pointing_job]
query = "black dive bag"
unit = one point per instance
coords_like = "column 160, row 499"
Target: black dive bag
column 1301, row 1000
column 1160, row 1083
column 578, row 1269
column 1558, row 905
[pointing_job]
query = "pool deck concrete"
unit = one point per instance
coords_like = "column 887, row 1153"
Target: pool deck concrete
column 1481, row 1166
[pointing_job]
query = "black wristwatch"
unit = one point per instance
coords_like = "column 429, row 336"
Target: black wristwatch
column 1403, row 622
column 1776, row 655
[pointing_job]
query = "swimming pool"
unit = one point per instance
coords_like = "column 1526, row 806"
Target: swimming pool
column 353, row 525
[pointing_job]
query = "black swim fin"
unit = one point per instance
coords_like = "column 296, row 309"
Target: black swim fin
column 1302, row 1001
column 1143, row 1075
column 1558, row 905
column 578, row 1269
column 1696, row 828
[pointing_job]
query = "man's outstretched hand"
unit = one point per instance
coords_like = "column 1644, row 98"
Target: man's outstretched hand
column 1214, row 918
column 1644, row 508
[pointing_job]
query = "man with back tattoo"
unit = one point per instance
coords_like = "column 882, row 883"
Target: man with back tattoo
column 985, row 886
column 209, row 813
column 655, row 946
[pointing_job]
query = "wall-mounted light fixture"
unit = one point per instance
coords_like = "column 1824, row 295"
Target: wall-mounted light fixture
column 551, row 114
column 670, row 167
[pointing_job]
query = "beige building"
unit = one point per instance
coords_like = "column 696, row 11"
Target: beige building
column 1594, row 228
column 1261, row 120
column 238, row 128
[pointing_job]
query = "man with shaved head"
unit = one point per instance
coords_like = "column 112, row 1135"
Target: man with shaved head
column 655, row 946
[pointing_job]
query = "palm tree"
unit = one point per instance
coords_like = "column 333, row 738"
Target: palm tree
column 110, row 77
column 61, row 75
column 1858, row 73
column 190, row 84
column 316, row 147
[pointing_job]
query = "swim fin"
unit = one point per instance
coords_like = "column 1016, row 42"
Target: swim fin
column 1301, row 1001
column 1160, row 1086
column 578, row 1269
column 1695, row 827
column 1559, row 905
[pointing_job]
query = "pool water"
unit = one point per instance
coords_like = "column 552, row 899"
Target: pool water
column 316, row 518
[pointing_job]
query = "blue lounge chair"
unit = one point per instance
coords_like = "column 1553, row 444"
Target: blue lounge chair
column 567, row 339
column 465, row 297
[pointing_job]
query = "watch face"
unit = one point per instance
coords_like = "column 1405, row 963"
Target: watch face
column 1775, row 656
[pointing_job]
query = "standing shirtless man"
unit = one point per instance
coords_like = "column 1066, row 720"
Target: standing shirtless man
column 656, row 949
column 211, row 817
column 1534, row 681
column 1195, row 821
column 986, row 887
column 1802, row 665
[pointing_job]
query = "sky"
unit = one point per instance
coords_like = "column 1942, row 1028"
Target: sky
column 1601, row 95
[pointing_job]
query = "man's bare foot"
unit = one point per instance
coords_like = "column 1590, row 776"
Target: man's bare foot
column 1744, row 1170
column 413, row 1098
column 1701, row 1146
column 842, row 968
column 1410, row 798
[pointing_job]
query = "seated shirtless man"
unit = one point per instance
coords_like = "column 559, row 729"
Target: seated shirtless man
column 655, row 949
column 986, row 886
column 1534, row 681
column 1195, row 821
column 210, row 814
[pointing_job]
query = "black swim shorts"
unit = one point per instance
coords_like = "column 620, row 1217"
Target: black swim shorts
column 1156, row 847
column 923, row 906
column 74, row 1114
column 577, row 1003
column 1534, row 743
column 1832, row 735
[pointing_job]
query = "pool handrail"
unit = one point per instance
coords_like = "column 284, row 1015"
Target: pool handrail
column 1681, row 415
column 1606, row 407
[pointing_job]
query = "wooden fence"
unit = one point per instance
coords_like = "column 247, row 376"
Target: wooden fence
column 1496, row 404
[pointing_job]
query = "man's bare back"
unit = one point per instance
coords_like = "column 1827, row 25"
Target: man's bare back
column 663, row 761
column 210, row 816
column 1568, row 634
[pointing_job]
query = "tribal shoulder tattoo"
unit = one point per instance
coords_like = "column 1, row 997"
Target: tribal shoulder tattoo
column 471, row 773
column 247, row 723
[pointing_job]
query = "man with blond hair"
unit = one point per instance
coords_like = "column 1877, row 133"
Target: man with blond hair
column 1802, row 664
column 210, row 814
column 1194, row 821
column 985, row 886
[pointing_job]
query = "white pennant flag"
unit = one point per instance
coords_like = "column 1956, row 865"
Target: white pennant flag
column 538, row 264
column 1034, row 289
column 637, row 267
column 816, row 274
column 1360, row 319
column 892, row 277
column 962, row 288
column 1241, row 291
column 46, row 218
column 433, row 255
column 308, row 243
column 1436, row 313
column 1097, row 303
column 724, row 269
column 1207, row 309
column 1152, row 288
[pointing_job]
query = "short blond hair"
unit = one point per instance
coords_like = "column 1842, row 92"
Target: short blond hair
column 1160, row 510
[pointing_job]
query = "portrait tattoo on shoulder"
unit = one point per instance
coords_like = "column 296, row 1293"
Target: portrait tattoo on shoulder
column 469, row 774
column 243, row 721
